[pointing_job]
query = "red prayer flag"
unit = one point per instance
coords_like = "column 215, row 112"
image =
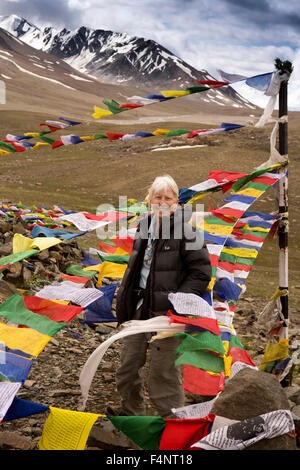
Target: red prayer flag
column 200, row 382
column 51, row 128
column 181, row 434
column 209, row 324
column 240, row 355
column 57, row 143
column 113, row 135
column 53, row 310
column 130, row 106
column 213, row 83
column 227, row 176
column 77, row 279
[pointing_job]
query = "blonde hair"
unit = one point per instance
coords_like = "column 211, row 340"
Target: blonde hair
column 162, row 183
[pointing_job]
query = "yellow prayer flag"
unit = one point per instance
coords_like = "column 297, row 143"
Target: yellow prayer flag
column 27, row 340
column 108, row 269
column 161, row 131
column 32, row 134
column 175, row 93
column 21, row 243
column 66, row 429
column 40, row 144
column 256, row 229
column 241, row 252
column 99, row 112
column 274, row 352
column 227, row 365
column 88, row 137
column 211, row 284
column 250, row 192
column 226, row 346
column 217, row 229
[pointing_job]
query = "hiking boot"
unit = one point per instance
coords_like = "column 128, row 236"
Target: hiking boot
column 115, row 411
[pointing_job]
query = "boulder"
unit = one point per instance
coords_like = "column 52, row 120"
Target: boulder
column 14, row 441
column 252, row 393
column 105, row 436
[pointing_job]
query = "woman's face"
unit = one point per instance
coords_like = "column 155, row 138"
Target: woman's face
column 164, row 203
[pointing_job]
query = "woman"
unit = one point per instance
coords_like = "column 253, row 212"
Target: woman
column 168, row 256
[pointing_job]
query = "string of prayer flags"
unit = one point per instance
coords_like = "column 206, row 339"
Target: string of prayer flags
column 113, row 107
column 72, row 139
column 66, row 429
column 156, row 433
column 220, row 180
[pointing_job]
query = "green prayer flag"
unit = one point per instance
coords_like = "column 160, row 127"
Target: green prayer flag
column 236, row 259
column 120, row 259
column 201, row 359
column 113, row 106
column 196, row 89
column 7, row 146
column 145, row 431
column 234, row 341
column 204, row 340
column 177, row 132
column 47, row 139
column 98, row 135
column 14, row 257
column 15, row 310
column 77, row 270
column 242, row 181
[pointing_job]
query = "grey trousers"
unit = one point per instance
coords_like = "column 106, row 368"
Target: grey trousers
column 164, row 380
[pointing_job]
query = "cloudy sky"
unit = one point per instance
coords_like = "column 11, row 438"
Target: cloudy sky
column 237, row 36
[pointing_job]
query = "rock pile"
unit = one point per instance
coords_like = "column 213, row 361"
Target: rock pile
column 48, row 264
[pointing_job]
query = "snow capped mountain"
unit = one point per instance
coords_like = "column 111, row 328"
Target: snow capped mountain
column 116, row 57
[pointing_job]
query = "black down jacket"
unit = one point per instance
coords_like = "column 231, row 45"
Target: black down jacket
column 180, row 263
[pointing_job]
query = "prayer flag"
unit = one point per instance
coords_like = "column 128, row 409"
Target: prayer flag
column 145, row 431
column 21, row 243
column 21, row 408
column 181, row 434
column 66, row 429
column 108, row 269
column 26, row 340
column 54, row 311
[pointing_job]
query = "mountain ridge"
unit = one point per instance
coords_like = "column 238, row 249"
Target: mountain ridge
column 116, row 57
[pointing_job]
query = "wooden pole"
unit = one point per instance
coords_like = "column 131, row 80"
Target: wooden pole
column 283, row 211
